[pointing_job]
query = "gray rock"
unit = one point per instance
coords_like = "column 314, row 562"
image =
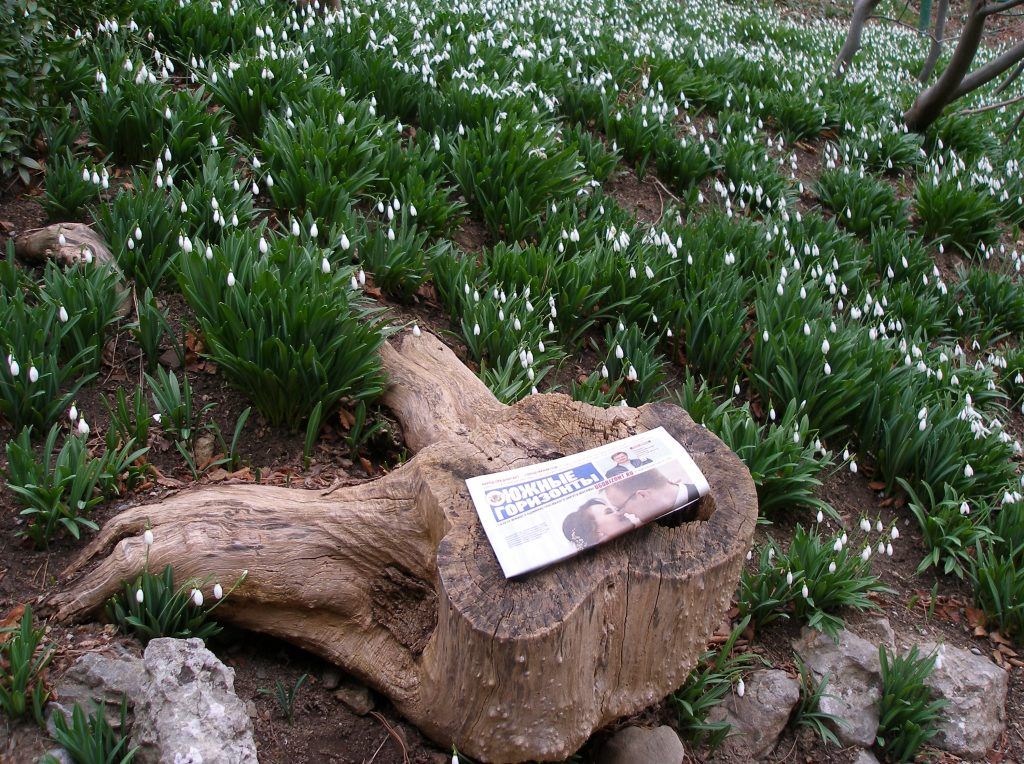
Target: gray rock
column 865, row 757
column 633, row 745
column 355, row 697
column 876, row 630
column 60, row 755
column 975, row 691
column 758, row 718
column 97, row 679
column 331, row 678
column 186, row 711
column 855, row 682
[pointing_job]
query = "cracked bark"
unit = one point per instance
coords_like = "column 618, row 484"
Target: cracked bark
column 394, row 579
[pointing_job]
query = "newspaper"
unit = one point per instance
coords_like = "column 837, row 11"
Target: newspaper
column 537, row 515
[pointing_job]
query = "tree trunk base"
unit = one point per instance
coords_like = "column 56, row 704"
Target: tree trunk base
column 395, row 581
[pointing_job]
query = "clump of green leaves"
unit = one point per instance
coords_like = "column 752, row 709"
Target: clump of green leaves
column 510, row 173
column 950, row 528
column 716, row 674
column 23, row 662
column 92, row 739
column 285, row 696
column 284, row 332
column 956, row 213
column 907, row 715
column 68, row 187
column 807, row 712
column 152, row 605
column 861, row 201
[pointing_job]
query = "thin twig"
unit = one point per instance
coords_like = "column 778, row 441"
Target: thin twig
column 911, row 27
column 383, row 740
column 991, row 106
column 662, row 186
column 391, row 731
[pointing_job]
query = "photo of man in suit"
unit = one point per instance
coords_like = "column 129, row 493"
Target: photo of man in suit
column 650, row 494
column 624, row 464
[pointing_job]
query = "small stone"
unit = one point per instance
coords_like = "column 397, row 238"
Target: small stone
column 758, row 718
column 640, row 744
column 169, row 359
column 865, row 757
column 331, row 678
column 60, row 755
column 355, row 697
column 204, row 449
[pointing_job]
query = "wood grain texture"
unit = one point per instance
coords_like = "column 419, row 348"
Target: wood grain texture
column 394, row 580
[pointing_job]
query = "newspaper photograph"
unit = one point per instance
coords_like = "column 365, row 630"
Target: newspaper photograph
column 537, row 515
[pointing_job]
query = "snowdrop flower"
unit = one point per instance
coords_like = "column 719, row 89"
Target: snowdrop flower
column 865, row 525
column 805, row 592
column 231, row 278
column 853, row 467
column 631, row 375
column 965, row 508
column 295, row 228
column 62, row 240
column 354, row 283
column 888, row 550
column 881, row 547
column 866, row 554
column 139, row 596
column 741, row 688
column 820, row 516
column 62, row 314
column 73, row 413
column 764, row 335
column 197, row 598
column 895, row 533
column 416, row 330
column 361, row 275
column 832, row 567
column 147, row 537
column 345, row 243
column 837, row 546
column 619, row 352
column 33, row 374
column 476, row 330
column 314, row 231
column 83, row 427
column 218, row 591
column 968, row 471
column 789, row 578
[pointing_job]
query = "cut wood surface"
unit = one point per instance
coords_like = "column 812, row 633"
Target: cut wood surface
column 395, row 581
column 80, row 244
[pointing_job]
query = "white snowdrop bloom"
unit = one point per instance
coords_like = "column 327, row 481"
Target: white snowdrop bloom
column 231, row 278
column 631, row 375
column 517, row 325
column 619, row 352
column 33, row 374
column 878, row 526
column 269, row 180
column 416, row 330
column 62, row 314
column 895, row 533
column 866, row 554
column 865, row 525
column 540, row 346
column 965, row 508
column 604, row 372
column 361, row 275
column 345, row 243
column 827, row 369
column 805, row 592
column 476, row 330
column 208, row 252
column 354, row 283
column 825, row 346
column 314, row 231
column 186, row 245
column 197, row 598
column 391, row 234
column 771, row 413
column 325, row 265
column 853, row 467
column 837, row 546
column 139, row 596
column 968, row 470
column 736, row 389
column 789, row 578
column 820, row 516
column 412, row 210
column 182, row 207
column 218, row 591
column 888, row 550
column 263, row 246
column 62, row 240
column 295, row 228
column 73, row 413
column 741, row 688
column 147, row 537
column 832, row 567
column 83, row 427
column 764, row 335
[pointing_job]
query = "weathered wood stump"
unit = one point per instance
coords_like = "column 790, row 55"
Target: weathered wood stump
column 79, row 244
column 395, row 581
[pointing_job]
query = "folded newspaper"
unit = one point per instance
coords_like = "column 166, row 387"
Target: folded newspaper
column 537, row 515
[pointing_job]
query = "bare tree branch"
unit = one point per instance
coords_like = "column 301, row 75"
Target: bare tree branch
column 992, row 106
column 1009, row 80
column 1015, row 125
column 929, row 104
column 861, row 13
column 911, row 27
column 988, row 10
column 936, row 49
column 991, row 70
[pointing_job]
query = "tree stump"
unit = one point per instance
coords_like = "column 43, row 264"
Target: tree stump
column 395, row 581
column 80, row 244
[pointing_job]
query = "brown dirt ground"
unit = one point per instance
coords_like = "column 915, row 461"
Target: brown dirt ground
column 324, row 729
